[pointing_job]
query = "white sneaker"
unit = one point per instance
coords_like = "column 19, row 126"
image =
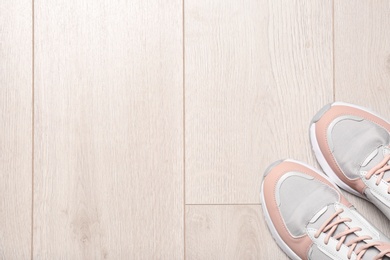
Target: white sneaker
column 310, row 219
column 352, row 146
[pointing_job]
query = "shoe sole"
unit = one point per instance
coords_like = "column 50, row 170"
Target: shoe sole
column 321, row 158
column 286, row 249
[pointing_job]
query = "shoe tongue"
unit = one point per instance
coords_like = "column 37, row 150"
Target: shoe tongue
column 324, row 214
column 374, row 158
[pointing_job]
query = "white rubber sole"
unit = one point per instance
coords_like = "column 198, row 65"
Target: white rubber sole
column 286, row 249
column 321, row 158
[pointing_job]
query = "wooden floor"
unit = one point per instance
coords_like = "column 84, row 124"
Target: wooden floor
column 140, row 129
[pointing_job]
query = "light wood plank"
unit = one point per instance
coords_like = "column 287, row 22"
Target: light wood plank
column 109, row 130
column 16, row 129
column 362, row 68
column 256, row 73
column 228, row 232
column 362, row 53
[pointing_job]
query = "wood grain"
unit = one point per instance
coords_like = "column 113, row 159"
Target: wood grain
column 256, row 73
column 16, row 129
column 109, row 130
column 362, row 68
column 362, row 53
column 228, row 232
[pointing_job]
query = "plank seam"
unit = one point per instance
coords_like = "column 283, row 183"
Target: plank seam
column 33, row 126
column 184, row 138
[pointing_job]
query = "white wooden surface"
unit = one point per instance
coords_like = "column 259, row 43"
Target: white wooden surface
column 142, row 107
column 16, row 129
column 256, row 72
column 109, row 137
column 228, row 232
column 362, row 53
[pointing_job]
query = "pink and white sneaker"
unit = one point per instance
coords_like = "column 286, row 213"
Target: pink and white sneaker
column 351, row 144
column 310, row 219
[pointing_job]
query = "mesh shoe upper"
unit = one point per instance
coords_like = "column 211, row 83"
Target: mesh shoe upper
column 352, row 140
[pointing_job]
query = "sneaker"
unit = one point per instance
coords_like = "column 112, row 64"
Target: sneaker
column 351, row 144
column 310, row 219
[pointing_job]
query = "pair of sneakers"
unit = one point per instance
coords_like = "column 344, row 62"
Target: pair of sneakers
column 308, row 216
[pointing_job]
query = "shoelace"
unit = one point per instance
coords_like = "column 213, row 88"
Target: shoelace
column 380, row 170
column 332, row 226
